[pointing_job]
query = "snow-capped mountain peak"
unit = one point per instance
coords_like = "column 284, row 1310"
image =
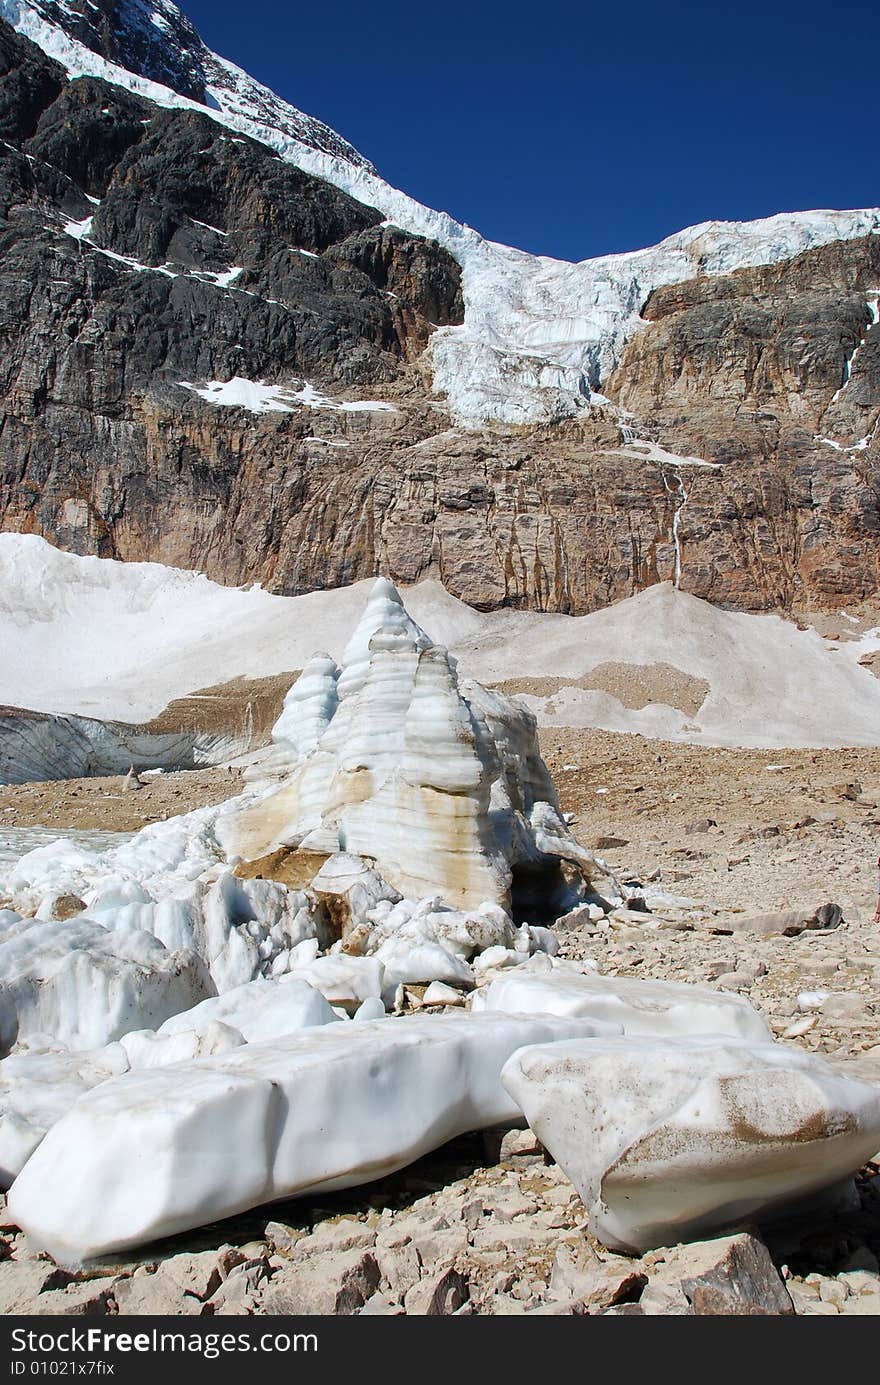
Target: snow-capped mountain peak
column 153, row 40
column 539, row 334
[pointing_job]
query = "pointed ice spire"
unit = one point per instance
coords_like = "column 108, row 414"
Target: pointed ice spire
column 384, row 610
column 308, row 707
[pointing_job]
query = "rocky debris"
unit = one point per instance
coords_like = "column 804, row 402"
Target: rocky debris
column 21, row 1282
column 399, row 1261
column 338, row 1282
column 82, row 803
column 148, row 1294
column 827, row 1259
column 730, row 1276
column 704, row 825
column 850, row 792
column 525, row 1265
column 516, row 1144
column 438, row 993
column 438, row 1295
column 585, row 916
column 579, row 1277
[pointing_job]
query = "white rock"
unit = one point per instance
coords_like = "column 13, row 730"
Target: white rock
column 800, row 1027
column 543, row 940
column 496, row 958
column 438, row 993
column 152, row 1153
column 634, row 1006
column 668, row 1139
column 808, row 1001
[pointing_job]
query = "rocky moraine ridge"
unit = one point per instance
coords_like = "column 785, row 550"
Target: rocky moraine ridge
column 148, row 252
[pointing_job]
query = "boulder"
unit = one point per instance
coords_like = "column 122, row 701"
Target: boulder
column 732, row 1275
column 336, row 1282
column 94, row 1298
column 578, row 1275
column 437, row 1295
column 154, row 1295
column 788, row 923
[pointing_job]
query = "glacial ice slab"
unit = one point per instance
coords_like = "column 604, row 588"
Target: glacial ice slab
column 637, row 1007
column 39, row 1086
column 670, row 1139
column 159, row 1151
column 259, row 1010
column 38, row 1089
column 86, row 985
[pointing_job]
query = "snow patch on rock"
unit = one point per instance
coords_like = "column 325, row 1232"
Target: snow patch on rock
column 259, row 398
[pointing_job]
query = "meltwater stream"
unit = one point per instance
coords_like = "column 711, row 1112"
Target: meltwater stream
column 16, row 842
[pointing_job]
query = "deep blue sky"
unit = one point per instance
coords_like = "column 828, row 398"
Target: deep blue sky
column 573, row 129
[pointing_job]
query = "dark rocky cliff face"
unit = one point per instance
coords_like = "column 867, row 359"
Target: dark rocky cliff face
column 104, row 449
